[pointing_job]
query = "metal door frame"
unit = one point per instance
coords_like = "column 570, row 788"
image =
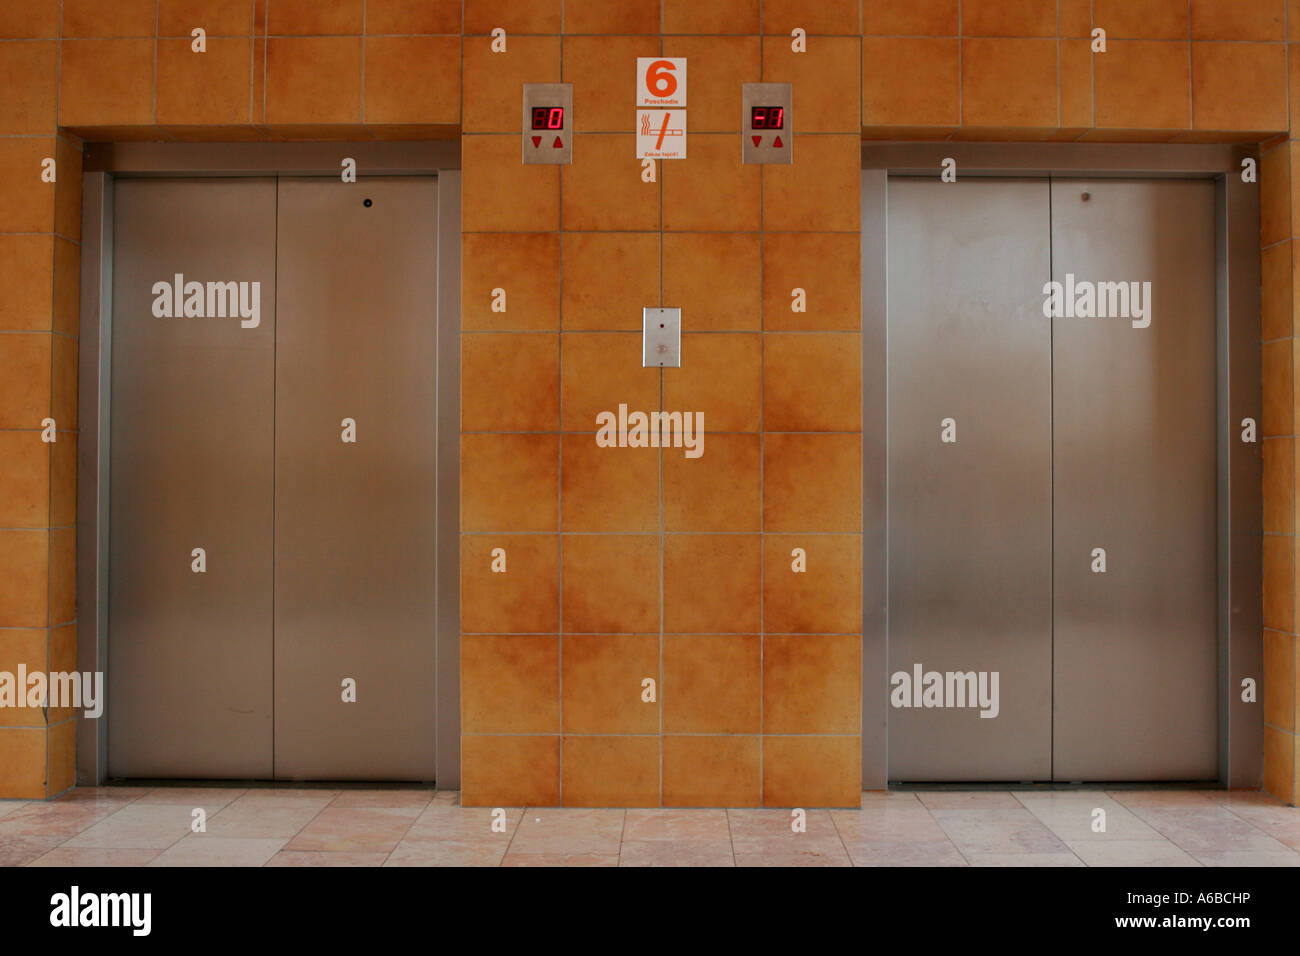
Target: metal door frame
column 1238, row 396
column 102, row 163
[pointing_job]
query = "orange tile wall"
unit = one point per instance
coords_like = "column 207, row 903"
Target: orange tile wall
column 624, row 564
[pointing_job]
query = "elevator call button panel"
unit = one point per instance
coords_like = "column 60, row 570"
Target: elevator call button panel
column 767, row 123
column 548, row 123
column 661, row 338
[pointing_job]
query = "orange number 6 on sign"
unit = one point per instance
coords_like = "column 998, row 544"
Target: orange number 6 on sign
column 661, row 78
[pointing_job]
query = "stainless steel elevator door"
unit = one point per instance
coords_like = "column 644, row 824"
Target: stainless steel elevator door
column 970, row 521
column 1135, row 464
column 355, row 522
column 190, row 654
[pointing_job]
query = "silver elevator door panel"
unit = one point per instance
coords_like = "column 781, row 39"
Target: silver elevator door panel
column 1135, row 647
column 355, row 521
column 190, row 654
column 969, row 521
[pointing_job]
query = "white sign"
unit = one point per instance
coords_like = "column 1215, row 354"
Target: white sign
column 660, row 81
column 661, row 134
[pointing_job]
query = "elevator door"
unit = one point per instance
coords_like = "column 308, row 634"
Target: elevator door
column 354, row 520
column 1134, row 440
column 270, row 584
column 190, row 649
column 969, row 479
column 1065, row 537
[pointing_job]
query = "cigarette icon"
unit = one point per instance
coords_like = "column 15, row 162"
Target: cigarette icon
column 663, row 130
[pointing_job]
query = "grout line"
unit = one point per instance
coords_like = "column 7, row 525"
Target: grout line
column 662, row 373
column 1191, row 86
column 559, row 450
column 523, row 812
column 762, row 435
column 961, row 66
column 362, row 38
column 835, row 828
column 1092, row 62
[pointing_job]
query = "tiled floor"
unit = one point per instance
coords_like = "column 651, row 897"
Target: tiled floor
column 294, row 827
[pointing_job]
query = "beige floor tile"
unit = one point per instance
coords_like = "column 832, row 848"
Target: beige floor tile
column 9, row 806
column 456, row 823
column 53, row 819
column 21, row 850
column 998, row 831
column 1150, row 799
column 447, row 851
column 660, row 852
column 746, row 824
column 1074, row 821
column 1024, row 859
column 1037, row 798
column 1270, row 817
column 975, row 800
column 907, row 824
column 899, row 798
column 1131, row 853
column 265, row 821
column 117, row 795
column 204, row 850
column 287, row 795
column 768, row 853
column 360, row 829
column 207, row 797
column 568, row 832
column 154, row 827
column 1214, row 829
column 906, row 854
column 1286, row 833
column 1283, row 857
column 325, row 858
column 383, row 798
column 1250, row 798
column 90, row 856
column 677, row 826
column 560, row 859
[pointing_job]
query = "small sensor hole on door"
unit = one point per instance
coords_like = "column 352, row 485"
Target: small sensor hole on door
column 367, row 203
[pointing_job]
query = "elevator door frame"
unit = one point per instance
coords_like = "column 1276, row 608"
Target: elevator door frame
column 105, row 162
column 1239, row 522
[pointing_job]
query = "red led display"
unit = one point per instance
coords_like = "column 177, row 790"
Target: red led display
column 767, row 117
column 548, row 117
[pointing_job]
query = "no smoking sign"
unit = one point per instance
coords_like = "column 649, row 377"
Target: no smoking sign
column 661, row 82
column 661, row 134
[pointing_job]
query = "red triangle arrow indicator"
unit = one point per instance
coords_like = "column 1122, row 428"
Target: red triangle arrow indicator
column 537, row 141
column 557, row 144
column 757, row 139
column 777, row 143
